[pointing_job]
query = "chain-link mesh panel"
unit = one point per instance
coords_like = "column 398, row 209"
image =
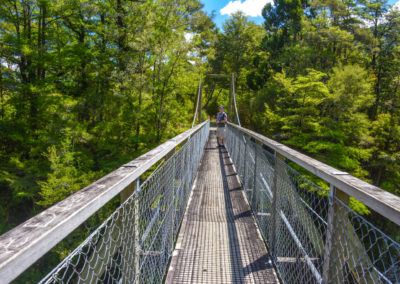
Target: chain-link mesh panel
column 313, row 235
column 135, row 243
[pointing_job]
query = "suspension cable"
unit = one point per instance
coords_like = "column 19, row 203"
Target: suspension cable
column 197, row 104
column 234, row 98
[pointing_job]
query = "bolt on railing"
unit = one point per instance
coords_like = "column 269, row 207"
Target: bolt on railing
column 312, row 234
column 134, row 244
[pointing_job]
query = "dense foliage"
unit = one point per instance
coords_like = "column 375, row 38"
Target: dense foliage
column 322, row 77
column 87, row 85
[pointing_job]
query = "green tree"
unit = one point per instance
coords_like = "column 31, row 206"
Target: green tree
column 64, row 178
column 235, row 49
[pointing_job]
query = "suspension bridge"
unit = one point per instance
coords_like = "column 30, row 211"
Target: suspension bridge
column 193, row 213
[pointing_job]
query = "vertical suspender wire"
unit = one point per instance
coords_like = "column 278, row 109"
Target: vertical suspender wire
column 197, row 104
column 234, row 98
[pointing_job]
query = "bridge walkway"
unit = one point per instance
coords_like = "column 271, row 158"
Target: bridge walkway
column 219, row 241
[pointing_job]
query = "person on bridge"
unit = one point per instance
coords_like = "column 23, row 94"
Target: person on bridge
column 222, row 118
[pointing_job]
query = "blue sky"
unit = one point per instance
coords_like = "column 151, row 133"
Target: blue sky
column 217, row 5
column 252, row 8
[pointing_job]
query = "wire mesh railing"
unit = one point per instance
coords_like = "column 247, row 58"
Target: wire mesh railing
column 134, row 244
column 312, row 234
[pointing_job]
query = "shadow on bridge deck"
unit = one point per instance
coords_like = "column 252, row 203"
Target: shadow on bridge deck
column 219, row 241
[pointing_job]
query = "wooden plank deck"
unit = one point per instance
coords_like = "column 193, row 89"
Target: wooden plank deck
column 219, row 241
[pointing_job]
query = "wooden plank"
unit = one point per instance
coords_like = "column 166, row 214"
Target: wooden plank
column 25, row 244
column 379, row 200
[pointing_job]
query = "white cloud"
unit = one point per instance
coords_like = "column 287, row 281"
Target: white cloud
column 397, row 5
column 250, row 8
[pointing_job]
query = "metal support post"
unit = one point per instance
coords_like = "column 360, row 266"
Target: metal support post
column 137, row 231
column 274, row 208
column 329, row 236
column 186, row 188
column 342, row 244
column 245, row 183
column 200, row 102
column 253, row 192
column 173, row 204
column 238, row 160
column 124, row 220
